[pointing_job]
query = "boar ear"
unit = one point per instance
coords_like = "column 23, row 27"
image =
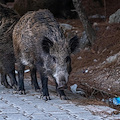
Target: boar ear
column 46, row 44
column 73, row 43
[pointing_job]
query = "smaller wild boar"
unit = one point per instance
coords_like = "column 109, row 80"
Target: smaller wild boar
column 40, row 44
column 8, row 19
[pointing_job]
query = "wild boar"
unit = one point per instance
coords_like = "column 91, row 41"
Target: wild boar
column 40, row 44
column 8, row 19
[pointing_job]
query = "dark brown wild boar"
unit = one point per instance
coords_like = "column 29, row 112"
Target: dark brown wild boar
column 8, row 19
column 40, row 44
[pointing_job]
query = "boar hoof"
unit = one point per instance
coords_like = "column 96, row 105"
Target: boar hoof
column 22, row 92
column 14, row 87
column 15, row 92
column 6, row 85
column 46, row 98
column 64, row 98
column 37, row 90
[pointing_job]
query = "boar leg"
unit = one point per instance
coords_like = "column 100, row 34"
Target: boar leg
column 21, row 79
column 61, row 93
column 13, row 79
column 44, row 81
column 34, row 78
column 4, row 80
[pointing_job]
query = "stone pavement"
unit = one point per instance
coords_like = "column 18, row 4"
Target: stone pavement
column 31, row 107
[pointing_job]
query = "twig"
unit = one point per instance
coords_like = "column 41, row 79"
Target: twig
column 105, row 8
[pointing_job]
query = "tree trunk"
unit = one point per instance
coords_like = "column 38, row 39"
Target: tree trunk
column 86, row 24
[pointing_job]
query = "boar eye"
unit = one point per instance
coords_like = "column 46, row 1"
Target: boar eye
column 54, row 59
column 68, row 59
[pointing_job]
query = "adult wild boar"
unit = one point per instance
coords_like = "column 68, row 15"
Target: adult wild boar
column 40, row 44
column 8, row 19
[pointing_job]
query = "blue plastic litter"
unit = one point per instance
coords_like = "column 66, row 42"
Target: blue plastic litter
column 116, row 101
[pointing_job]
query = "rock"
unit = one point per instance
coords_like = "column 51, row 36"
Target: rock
column 95, row 26
column 97, row 16
column 65, row 26
column 84, row 42
column 75, row 91
column 113, row 58
column 108, row 27
column 115, row 17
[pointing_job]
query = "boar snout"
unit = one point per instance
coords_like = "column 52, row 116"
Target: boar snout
column 62, row 83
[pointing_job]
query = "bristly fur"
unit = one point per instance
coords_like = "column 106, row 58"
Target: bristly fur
column 8, row 18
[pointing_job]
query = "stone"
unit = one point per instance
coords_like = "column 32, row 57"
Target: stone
column 115, row 17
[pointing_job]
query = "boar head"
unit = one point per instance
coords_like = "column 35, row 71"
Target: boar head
column 58, row 61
